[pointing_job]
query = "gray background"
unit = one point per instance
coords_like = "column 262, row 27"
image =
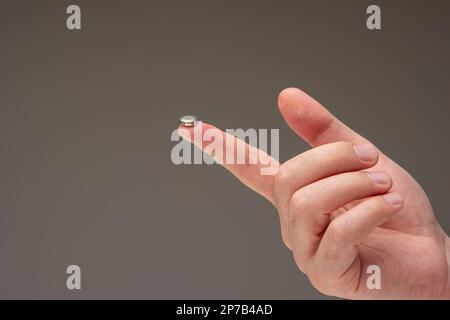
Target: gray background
column 86, row 117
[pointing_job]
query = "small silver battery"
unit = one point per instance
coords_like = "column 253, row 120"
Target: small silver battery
column 188, row 121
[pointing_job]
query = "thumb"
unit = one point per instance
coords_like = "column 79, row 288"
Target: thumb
column 311, row 121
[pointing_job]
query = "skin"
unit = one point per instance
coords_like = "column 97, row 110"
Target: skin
column 340, row 212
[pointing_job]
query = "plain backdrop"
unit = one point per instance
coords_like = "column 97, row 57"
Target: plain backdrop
column 86, row 118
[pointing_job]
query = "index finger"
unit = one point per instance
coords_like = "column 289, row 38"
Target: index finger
column 252, row 166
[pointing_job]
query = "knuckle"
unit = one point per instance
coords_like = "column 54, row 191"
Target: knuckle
column 282, row 176
column 287, row 243
column 363, row 179
column 375, row 204
column 300, row 260
column 285, row 238
column 298, row 204
column 339, row 152
column 380, row 206
column 343, row 147
column 375, row 178
column 336, row 231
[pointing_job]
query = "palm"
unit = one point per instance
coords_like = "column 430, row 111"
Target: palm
column 409, row 247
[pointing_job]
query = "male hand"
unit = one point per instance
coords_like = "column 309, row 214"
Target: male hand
column 344, row 206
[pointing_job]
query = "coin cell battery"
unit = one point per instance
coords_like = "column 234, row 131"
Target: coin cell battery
column 188, row 121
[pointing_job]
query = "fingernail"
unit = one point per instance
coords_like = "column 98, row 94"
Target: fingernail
column 379, row 177
column 365, row 152
column 393, row 198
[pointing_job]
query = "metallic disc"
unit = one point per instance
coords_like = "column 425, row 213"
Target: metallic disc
column 188, row 121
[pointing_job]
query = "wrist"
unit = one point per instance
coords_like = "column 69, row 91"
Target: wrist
column 447, row 248
column 446, row 293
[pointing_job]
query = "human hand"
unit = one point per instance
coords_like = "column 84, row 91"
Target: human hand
column 344, row 206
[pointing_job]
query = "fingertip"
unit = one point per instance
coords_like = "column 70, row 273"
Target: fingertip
column 380, row 178
column 198, row 133
column 394, row 198
column 188, row 131
column 367, row 153
column 312, row 121
column 185, row 132
column 286, row 95
column 304, row 115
